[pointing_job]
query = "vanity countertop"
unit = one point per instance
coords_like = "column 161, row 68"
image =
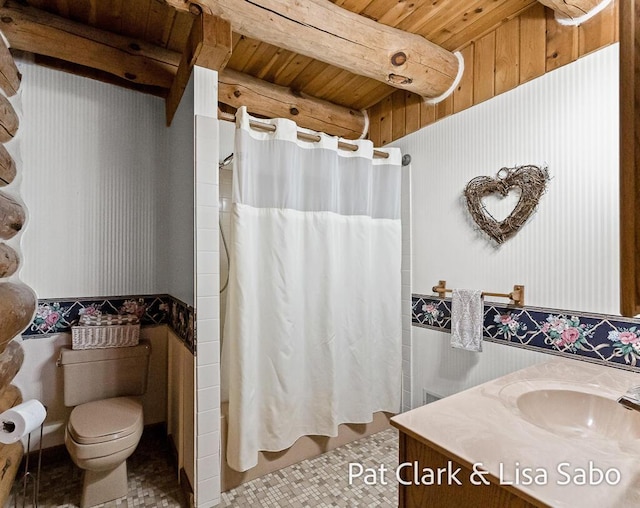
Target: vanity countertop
column 485, row 424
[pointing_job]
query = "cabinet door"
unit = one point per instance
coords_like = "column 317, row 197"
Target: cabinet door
column 629, row 157
column 420, row 489
column 180, row 404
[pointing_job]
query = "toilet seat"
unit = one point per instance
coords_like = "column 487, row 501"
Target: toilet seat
column 102, row 421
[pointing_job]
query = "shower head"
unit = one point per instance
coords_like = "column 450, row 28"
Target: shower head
column 226, row 162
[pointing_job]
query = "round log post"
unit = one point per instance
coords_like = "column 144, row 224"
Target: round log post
column 10, row 458
column 17, row 306
column 17, row 301
column 10, row 362
column 12, row 217
column 576, row 12
column 7, row 167
column 8, row 120
column 9, row 261
column 10, row 455
column 9, row 397
column 9, row 75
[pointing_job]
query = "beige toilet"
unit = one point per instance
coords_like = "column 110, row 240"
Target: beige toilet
column 106, row 423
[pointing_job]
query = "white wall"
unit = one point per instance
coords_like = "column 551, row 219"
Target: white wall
column 566, row 255
column 115, row 199
column 177, row 243
column 110, row 189
column 406, row 270
column 93, row 162
column 91, row 156
column 176, row 200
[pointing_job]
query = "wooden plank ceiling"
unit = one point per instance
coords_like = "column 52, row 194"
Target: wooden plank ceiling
column 470, row 26
column 449, row 23
column 524, row 48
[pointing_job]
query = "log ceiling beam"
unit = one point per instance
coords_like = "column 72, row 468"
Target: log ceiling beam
column 576, row 11
column 209, row 45
column 263, row 98
column 9, row 75
column 36, row 31
column 321, row 30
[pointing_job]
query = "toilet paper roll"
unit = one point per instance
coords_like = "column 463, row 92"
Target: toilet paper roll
column 17, row 422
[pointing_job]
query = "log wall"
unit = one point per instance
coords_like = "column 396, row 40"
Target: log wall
column 17, row 300
column 522, row 49
column 8, row 261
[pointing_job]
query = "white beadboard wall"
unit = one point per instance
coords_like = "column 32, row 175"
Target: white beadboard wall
column 91, row 157
column 175, row 200
column 176, row 242
column 566, row 255
column 407, row 332
column 116, row 202
column 98, row 171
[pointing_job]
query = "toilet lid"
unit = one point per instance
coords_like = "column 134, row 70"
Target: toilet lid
column 105, row 420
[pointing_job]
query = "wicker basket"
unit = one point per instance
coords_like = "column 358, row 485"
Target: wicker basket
column 94, row 337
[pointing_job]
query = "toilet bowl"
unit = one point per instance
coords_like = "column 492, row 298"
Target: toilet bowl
column 100, row 437
column 102, row 433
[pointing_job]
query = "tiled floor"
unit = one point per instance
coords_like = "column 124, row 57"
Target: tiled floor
column 324, row 481
column 152, row 480
column 314, row 483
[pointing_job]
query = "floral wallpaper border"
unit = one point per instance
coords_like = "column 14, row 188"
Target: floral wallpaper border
column 598, row 338
column 57, row 315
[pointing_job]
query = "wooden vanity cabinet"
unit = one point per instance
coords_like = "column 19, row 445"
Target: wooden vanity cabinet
column 444, row 495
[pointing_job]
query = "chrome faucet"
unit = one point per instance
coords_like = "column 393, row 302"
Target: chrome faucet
column 631, row 399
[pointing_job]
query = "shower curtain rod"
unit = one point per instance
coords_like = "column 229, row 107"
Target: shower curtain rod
column 301, row 135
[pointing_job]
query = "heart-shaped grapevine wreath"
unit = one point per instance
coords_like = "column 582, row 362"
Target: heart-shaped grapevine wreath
column 531, row 180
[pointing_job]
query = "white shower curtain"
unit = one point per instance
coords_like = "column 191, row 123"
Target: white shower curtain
column 313, row 327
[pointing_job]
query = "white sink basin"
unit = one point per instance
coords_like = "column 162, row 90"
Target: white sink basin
column 575, row 410
column 572, row 413
column 543, row 418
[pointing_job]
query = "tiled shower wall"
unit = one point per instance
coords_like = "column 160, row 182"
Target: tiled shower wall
column 207, row 379
column 566, row 255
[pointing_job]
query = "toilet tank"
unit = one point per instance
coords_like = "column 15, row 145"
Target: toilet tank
column 95, row 374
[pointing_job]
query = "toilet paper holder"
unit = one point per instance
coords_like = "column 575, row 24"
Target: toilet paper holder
column 27, row 475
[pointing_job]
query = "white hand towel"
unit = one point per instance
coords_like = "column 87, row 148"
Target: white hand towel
column 467, row 319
